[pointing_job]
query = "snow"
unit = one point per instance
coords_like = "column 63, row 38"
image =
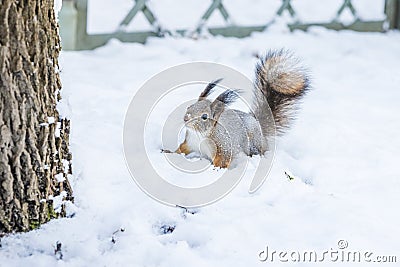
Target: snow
column 58, row 200
column 341, row 151
column 50, row 120
column 59, row 177
column 57, row 131
column 57, row 7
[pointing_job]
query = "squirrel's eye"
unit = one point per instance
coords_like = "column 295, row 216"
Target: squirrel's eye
column 204, row 116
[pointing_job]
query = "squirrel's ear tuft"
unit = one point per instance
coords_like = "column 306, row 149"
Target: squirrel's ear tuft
column 224, row 99
column 228, row 97
column 209, row 89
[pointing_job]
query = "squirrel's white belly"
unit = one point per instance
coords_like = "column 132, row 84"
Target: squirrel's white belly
column 200, row 144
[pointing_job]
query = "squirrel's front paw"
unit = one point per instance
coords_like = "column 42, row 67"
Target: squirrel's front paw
column 221, row 162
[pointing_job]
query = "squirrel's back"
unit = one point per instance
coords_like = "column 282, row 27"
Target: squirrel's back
column 281, row 81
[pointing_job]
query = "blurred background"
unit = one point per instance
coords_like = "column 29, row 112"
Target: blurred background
column 87, row 24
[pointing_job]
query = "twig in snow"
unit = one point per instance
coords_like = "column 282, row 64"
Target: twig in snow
column 57, row 250
column 113, row 240
column 186, row 210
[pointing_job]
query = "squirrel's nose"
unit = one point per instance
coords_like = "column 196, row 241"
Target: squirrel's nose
column 186, row 118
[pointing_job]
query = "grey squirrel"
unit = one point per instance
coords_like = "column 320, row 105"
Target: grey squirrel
column 220, row 133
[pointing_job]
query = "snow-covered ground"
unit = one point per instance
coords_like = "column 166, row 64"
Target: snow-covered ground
column 342, row 151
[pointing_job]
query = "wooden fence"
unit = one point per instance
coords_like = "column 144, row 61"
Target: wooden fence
column 74, row 35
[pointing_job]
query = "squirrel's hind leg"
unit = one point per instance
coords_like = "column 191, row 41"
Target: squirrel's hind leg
column 221, row 160
column 183, row 148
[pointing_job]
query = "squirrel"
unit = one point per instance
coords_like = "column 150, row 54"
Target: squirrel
column 220, row 133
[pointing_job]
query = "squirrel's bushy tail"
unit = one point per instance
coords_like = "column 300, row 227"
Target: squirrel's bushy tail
column 282, row 81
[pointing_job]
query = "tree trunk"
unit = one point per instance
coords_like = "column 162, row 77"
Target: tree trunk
column 34, row 156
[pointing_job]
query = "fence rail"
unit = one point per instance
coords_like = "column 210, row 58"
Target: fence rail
column 74, row 35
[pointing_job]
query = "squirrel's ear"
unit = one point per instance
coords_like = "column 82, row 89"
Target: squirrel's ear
column 217, row 107
column 224, row 99
column 228, row 97
column 209, row 89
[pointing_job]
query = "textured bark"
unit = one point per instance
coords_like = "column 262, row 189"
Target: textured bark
column 33, row 149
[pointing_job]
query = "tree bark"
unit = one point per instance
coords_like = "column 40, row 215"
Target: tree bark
column 35, row 161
